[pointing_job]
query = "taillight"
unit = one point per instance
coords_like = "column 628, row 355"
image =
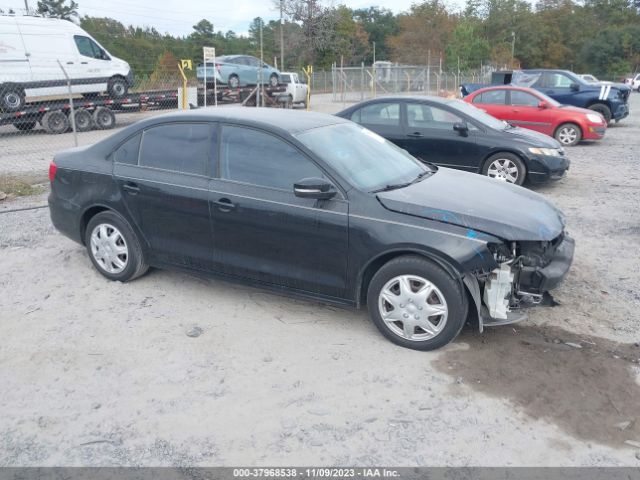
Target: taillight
column 53, row 168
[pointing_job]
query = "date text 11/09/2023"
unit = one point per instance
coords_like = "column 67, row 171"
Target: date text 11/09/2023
column 315, row 473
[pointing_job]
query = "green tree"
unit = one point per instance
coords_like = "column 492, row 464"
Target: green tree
column 379, row 24
column 58, row 9
column 467, row 49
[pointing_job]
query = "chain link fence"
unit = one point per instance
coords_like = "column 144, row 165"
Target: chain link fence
column 354, row 84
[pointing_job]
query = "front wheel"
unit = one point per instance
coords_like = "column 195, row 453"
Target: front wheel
column 117, row 87
column 114, row 248
column 273, row 80
column 568, row 134
column 234, row 81
column 416, row 304
column 603, row 110
column 507, row 167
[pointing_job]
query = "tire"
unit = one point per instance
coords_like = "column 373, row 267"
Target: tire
column 446, row 300
column 568, row 134
column 234, row 81
column 55, row 122
column 500, row 166
column 104, row 118
column 83, row 119
column 274, row 80
column 113, row 247
column 25, row 126
column 117, row 87
column 12, row 98
column 288, row 103
column 603, row 110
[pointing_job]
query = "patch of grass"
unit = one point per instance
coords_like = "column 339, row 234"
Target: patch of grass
column 18, row 187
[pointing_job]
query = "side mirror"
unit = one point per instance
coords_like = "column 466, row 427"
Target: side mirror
column 543, row 105
column 574, row 87
column 317, row 188
column 461, row 128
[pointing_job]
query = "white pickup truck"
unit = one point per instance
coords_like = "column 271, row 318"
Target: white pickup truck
column 634, row 82
column 296, row 90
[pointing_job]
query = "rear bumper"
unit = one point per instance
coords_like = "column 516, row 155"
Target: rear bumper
column 539, row 280
column 64, row 217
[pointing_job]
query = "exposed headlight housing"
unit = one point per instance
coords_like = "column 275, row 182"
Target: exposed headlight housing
column 550, row 152
column 595, row 118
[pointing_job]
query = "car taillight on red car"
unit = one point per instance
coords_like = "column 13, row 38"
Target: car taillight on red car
column 53, row 168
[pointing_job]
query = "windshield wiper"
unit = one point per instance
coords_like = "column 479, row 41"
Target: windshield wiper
column 396, row 186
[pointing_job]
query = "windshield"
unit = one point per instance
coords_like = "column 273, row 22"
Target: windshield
column 478, row 115
column 362, row 157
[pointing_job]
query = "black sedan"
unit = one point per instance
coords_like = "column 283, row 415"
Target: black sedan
column 313, row 205
column 455, row 134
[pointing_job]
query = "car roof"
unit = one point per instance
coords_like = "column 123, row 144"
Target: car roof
column 505, row 87
column 274, row 119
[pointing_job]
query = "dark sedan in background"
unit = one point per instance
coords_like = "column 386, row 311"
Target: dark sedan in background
column 454, row 134
column 313, row 205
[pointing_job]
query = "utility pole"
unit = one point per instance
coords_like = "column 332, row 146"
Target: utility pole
column 281, row 37
column 374, row 52
column 513, row 47
column 261, row 64
column 26, row 6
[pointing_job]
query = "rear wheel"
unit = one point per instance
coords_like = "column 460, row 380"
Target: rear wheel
column 12, row 98
column 55, row 122
column 603, row 110
column 568, row 134
column 505, row 166
column 104, row 118
column 114, row 248
column 416, row 304
column 273, row 80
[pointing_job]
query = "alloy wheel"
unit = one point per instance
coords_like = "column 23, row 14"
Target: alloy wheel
column 568, row 135
column 413, row 308
column 503, row 169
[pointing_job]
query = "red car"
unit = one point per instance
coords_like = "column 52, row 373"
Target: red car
column 528, row 108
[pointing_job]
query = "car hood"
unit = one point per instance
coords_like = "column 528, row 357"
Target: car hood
column 532, row 138
column 478, row 203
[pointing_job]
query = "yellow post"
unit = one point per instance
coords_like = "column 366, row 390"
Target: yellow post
column 181, row 66
column 308, row 72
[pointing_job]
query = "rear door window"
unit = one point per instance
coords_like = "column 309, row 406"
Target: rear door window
column 492, row 97
column 427, row 116
column 127, row 153
column 179, row 147
column 378, row 114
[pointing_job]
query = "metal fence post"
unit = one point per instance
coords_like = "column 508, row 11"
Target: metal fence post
column 73, row 115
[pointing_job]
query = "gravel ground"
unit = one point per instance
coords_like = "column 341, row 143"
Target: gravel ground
column 177, row 370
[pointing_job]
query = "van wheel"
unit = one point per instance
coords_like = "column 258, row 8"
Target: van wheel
column 117, row 87
column 603, row 110
column 13, row 98
column 104, row 118
column 55, row 122
column 416, row 304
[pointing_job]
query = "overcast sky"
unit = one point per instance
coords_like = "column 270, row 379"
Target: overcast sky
column 178, row 16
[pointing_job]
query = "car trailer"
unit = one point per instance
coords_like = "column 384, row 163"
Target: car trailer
column 96, row 113
column 247, row 96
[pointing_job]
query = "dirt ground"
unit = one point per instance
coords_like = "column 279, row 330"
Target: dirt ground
column 177, row 370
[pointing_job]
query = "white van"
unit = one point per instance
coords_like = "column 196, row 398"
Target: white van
column 30, row 48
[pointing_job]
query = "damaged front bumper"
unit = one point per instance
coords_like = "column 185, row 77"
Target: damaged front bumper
column 521, row 281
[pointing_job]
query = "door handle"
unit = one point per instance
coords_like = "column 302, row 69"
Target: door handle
column 84, row 63
column 415, row 135
column 224, row 205
column 69, row 63
column 131, row 188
